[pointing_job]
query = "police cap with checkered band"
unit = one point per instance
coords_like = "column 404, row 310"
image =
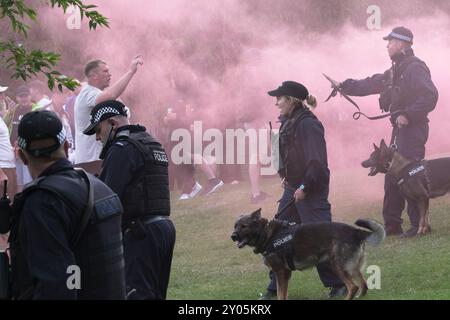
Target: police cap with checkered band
column 38, row 125
column 401, row 33
column 103, row 111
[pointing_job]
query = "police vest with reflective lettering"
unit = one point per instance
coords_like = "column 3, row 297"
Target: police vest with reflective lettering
column 148, row 192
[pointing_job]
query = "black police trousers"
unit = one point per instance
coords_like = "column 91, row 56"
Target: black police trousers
column 314, row 208
column 410, row 142
column 148, row 260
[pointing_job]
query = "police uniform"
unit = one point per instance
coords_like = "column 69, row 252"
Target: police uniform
column 405, row 89
column 135, row 166
column 53, row 234
column 303, row 164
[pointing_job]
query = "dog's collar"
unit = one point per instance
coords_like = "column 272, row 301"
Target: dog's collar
column 397, row 165
column 262, row 242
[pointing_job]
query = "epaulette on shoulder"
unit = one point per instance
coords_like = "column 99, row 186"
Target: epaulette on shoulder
column 120, row 143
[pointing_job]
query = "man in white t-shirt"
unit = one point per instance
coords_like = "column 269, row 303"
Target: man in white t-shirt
column 7, row 161
column 97, row 90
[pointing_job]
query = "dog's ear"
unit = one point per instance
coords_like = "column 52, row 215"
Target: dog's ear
column 256, row 215
column 383, row 144
column 375, row 147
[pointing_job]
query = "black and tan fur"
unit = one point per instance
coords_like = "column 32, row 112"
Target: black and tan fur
column 433, row 180
column 340, row 244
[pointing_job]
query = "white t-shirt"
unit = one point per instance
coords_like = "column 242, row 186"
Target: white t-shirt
column 87, row 149
column 7, row 159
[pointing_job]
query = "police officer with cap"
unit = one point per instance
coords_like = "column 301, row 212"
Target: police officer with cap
column 408, row 94
column 65, row 239
column 135, row 166
column 304, row 170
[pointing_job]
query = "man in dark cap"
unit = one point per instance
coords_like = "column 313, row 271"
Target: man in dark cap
column 65, row 241
column 408, row 94
column 135, row 166
column 303, row 166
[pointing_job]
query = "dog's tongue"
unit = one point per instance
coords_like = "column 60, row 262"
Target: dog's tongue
column 242, row 244
column 373, row 171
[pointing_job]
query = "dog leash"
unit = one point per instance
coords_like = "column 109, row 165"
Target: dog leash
column 357, row 114
column 287, row 205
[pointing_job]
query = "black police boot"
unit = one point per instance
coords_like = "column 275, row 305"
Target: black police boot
column 393, row 230
column 337, row 292
column 411, row 233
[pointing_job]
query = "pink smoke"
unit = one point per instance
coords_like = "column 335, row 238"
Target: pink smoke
column 223, row 56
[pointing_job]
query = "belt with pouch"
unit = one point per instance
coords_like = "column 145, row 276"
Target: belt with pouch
column 137, row 225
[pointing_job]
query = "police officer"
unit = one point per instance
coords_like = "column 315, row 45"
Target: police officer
column 304, row 169
column 65, row 239
column 407, row 92
column 135, row 167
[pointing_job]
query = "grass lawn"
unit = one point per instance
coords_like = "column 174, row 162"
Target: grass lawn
column 208, row 265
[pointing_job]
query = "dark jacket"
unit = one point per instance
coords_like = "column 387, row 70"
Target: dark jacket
column 42, row 232
column 136, row 168
column 418, row 95
column 303, row 152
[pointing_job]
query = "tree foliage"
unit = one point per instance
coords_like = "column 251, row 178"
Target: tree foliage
column 27, row 63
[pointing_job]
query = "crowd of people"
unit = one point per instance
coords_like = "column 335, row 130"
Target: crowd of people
column 46, row 137
column 111, row 217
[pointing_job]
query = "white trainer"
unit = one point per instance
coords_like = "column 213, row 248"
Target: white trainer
column 195, row 190
column 184, row 196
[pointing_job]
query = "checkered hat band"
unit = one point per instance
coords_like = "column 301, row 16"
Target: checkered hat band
column 104, row 111
column 61, row 137
column 400, row 37
column 22, row 143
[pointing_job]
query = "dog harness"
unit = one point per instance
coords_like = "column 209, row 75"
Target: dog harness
column 281, row 243
column 415, row 170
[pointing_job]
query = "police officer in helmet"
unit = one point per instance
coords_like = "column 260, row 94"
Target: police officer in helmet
column 65, row 223
column 408, row 94
column 135, row 166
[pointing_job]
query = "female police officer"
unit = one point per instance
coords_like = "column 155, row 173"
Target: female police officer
column 303, row 168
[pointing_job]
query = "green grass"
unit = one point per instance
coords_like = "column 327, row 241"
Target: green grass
column 208, row 265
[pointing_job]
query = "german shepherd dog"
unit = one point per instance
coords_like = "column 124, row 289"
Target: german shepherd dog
column 288, row 246
column 417, row 181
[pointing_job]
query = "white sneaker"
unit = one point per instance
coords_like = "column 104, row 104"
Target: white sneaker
column 212, row 186
column 184, row 196
column 195, row 190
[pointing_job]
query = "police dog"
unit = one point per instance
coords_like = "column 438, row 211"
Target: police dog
column 288, row 246
column 417, row 181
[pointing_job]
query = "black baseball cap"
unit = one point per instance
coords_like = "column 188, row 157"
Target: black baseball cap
column 400, row 33
column 290, row 89
column 103, row 111
column 39, row 125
